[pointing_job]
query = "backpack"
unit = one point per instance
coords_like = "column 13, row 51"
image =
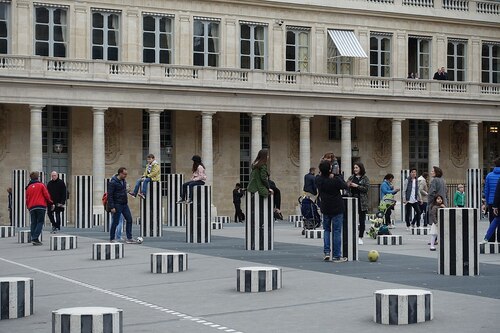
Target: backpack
column 384, row 230
column 105, row 202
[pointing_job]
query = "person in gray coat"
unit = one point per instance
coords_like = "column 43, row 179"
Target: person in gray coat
column 437, row 186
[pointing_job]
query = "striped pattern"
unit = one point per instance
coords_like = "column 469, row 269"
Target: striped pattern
column 87, row 320
column 19, row 182
column 216, row 225
column 175, row 212
column 315, row 233
column 98, row 219
column 151, row 212
column 24, row 236
column 419, row 231
column 489, row 248
column 199, row 215
column 169, row 262
column 16, row 297
column 63, row 242
column 294, row 218
column 64, row 213
column 7, row 231
column 258, row 279
column 389, row 240
column 458, row 248
column 473, row 188
column 350, row 229
column 259, row 226
column 108, row 217
column 403, row 306
column 223, row 219
column 83, row 201
column 347, row 43
column 138, row 221
column 404, row 175
column 107, row 251
column 299, row 224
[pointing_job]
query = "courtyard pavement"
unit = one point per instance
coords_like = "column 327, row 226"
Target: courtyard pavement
column 316, row 296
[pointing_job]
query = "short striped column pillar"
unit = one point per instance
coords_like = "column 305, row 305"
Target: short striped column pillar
column 389, row 240
column 87, row 319
column 299, row 224
column 64, row 213
column 223, row 219
column 169, row 262
column 199, row 215
column 473, row 187
column 175, row 212
column 151, row 212
column 24, row 236
column 216, row 225
column 489, row 248
column 107, row 251
column 403, row 306
column 319, row 233
column 16, row 297
column 63, row 242
column 294, row 218
column 420, row 231
column 259, row 226
column 458, row 248
column 83, row 201
column 258, row 279
column 7, row 231
column 350, row 229
column 19, row 182
column 97, row 219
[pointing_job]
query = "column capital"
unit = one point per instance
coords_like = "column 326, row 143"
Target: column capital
column 36, row 107
column 154, row 111
column 434, row 121
column 208, row 113
column 306, row 116
column 257, row 114
column 343, row 118
column 474, row 122
column 398, row 120
column 99, row 110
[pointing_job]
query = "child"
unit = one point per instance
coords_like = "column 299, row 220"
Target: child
column 151, row 174
column 459, row 198
column 433, row 219
column 198, row 178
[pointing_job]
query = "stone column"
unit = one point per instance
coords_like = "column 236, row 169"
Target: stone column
column 36, row 151
column 256, row 135
column 154, row 133
column 319, row 46
column 184, row 41
column 433, row 143
column 98, row 154
column 346, row 145
column 304, row 148
column 397, row 150
column 364, row 40
column 473, row 144
column 207, row 149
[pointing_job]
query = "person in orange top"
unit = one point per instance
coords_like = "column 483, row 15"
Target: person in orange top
column 37, row 201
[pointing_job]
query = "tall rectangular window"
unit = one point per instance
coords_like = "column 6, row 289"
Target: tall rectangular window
column 457, row 65
column 419, row 144
column 380, row 55
column 206, row 43
column 335, row 128
column 157, row 39
column 419, row 55
column 297, row 49
column 490, row 63
column 337, row 64
column 105, row 35
column 4, row 27
column 50, row 31
column 55, row 132
column 253, row 45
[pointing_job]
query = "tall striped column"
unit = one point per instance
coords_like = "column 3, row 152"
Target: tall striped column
column 64, row 213
column 405, row 173
column 199, row 215
column 259, row 226
column 458, row 249
column 83, row 195
column 151, row 212
column 473, row 187
column 350, row 229
column 19, row 182
column 175, row 212
column 16, row 297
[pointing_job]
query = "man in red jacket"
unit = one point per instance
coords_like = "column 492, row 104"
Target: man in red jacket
column 37, row 200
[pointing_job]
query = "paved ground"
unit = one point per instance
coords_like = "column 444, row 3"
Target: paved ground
column 316, row 296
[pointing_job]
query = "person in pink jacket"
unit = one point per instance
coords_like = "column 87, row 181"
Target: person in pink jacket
column 199, row 177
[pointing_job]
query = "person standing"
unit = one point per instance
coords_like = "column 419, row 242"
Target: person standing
column 387, row 188
column 459, row 197
column 490, row 185
column 57, row 191
column 118, row 202
column 9, row 200
column 198, row 178
column 423, row 189
column 437, row 186
column 310, row 184
column 359, row 186
column 151, row 174
column 37, row 201
column 496, row 221
column 411, row 199
column 238, row 192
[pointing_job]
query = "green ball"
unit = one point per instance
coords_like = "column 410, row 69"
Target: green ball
column 373, row 255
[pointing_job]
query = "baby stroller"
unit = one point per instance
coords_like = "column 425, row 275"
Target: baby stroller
column 310, row 215
column 377, row 222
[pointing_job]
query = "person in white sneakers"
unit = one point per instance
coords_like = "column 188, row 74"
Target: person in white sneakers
column 358, row 188
column 433, row 219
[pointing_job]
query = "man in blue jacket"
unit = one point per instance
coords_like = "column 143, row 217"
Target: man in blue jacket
column 490, row 185
column 118, row 202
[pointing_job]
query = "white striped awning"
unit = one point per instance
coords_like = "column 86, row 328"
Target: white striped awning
column 347, row 43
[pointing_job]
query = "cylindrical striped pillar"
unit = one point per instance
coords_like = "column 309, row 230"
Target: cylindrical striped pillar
column 389, row 240
column 19, row 182
column 223, row 219
column 175, row 212
column 259, row 222
column 63, row 242
column 350, row 229
column 258, row 279
column 489, row 248
column 151, row 212
column 420, row 231
column 216, row 225
column 97, row 219
column 169, row 262
column 473, row 187
column 107, row 251
column 7, row 231
column 199, row 215
column 83, row 201
column 403, row 306
column 458, row 249
column 299, row 224
column 64, row 213
column 294, row 218
column 87, row 319
column 24, row 236
column 319, row 233
column 16, row 297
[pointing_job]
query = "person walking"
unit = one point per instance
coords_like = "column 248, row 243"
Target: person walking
column 58, row 193
column 151, row 174
column 238, row 193
column 459, row 197
column 359, row 186
column 310, row 184
column 423, row 189
column 496, row 221
column 198, row 178
column 37, row 201
column 490, row 185
column 387, row 188
column 118, row 202
column 411, row 199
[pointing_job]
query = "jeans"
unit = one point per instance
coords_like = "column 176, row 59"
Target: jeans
column 416, row 217
column 238, row 213
column 190, row 184
column 145, row 182
column 119, row 228
column 121, row 209
column 37, row 217
column 336, row 222
column 494, row 236
column 362, row 220
column 55, row 218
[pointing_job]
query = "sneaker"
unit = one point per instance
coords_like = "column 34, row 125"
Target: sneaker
column 326, row 257
column 131, row 194
column 142, row 196
column 484, row 241
column 432, row 249
column 339, row 259
column 131, row 241
column 360, row 241
column 180, row 201
column 36, row 242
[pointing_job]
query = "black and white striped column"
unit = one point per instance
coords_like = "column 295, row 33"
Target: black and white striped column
column 107, row 251
column 223, row 219
column 458, row 248
column 294, row 218
column 24, row 236
column 419, row 231
column 97, row 219
column 405, row 173
column 350, row 229
column 64, row 213
column 403, row 306
column 216, row 225
column 169, row 262
column 258, row 279
column 489, row 248
column 319, row 233
column 151, row 212
column 16, row 297
column 199, row 215
column 83, row 201
column 299, row 224
column 87, row 319
column 259, row 226
column 473, row 187
column 19, row 182
column 389, row 240
column 7, row 231
column 175, row 212
column 63, row 242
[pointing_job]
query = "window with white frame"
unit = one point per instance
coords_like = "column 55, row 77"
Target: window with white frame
column 206, row 42
column 157, row 39
column 419, row 144
column 50, row 31
column 380, row 55
column 4, row 27
column 335, row 63
column 297, row 49
column 105, row 35
column 457, row 65
column 419, row 55
column 253, row 49
column 490, row 63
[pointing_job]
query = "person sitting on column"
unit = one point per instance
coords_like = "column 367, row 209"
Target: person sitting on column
column 238, row 192
column 198, row 178
column 259, row 177
column 58, row 193
column 310, row 189
column 9, row 201
column 151, row 174
column 388, row 188
column 411, row 199
column 359, row 186
column 37, row 201
column 496, row 221
column 277, row 200
column 433, row 219
column 459, row 197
